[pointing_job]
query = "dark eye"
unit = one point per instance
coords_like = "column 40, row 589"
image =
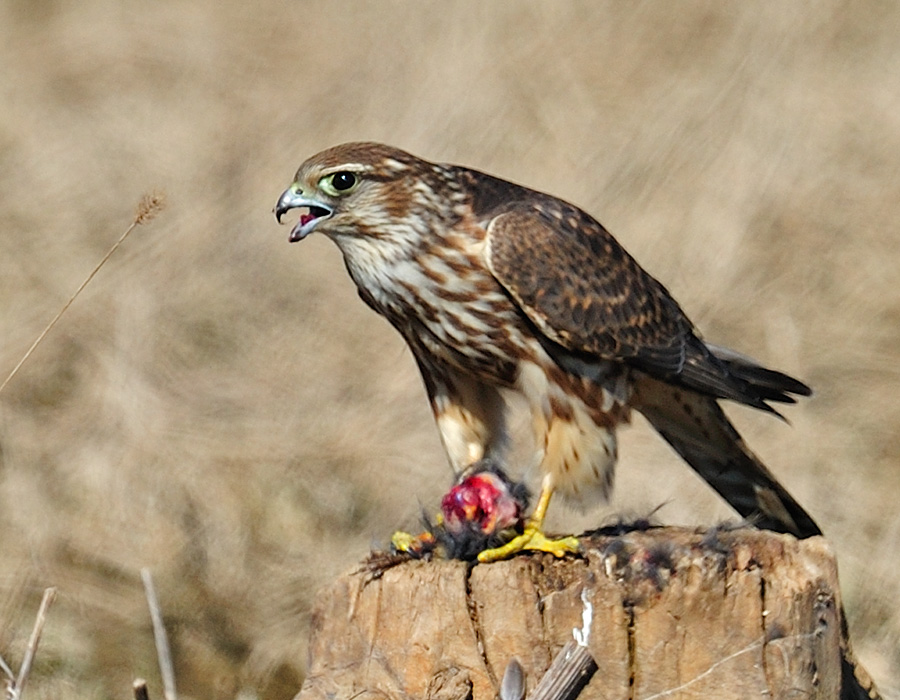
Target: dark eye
column 339, row 184
column 343, row 181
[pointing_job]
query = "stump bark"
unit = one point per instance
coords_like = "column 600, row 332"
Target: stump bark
column 675, row 614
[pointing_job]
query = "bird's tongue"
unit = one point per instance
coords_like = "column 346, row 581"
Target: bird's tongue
column 307, row 217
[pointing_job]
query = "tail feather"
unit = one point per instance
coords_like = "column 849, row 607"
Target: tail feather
column 725, row 374
column 695, row 426
column 769, row 384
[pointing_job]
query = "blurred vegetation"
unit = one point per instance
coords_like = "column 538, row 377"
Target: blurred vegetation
column 220, row 407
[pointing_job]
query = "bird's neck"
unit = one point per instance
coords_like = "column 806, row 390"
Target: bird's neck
column 382, row 268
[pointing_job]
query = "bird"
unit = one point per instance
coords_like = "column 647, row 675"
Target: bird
column 499, row 288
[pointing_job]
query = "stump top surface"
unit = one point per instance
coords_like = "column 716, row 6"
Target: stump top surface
column 674, row 612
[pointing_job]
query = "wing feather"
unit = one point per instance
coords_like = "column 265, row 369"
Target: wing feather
column 579, row 286
column 588, row 296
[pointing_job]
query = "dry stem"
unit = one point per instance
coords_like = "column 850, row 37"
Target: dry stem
column 147, row 209
column 166, row 667
column 139, row 688
column 16, row 686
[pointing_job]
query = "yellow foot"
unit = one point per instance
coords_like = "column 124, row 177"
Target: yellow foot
column 532, row 539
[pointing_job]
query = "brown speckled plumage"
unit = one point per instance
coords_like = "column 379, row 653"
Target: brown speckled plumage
column 496, row 286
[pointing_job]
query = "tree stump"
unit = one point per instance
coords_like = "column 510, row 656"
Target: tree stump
column 675, row 614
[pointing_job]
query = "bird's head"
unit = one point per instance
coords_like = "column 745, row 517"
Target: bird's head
column 355, row 189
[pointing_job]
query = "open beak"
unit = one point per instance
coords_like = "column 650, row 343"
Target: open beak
column 311, row 212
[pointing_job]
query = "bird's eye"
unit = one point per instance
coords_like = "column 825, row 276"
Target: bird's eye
column 343, row 181
column 339, row 183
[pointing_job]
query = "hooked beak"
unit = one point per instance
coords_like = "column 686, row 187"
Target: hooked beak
column 312, row 212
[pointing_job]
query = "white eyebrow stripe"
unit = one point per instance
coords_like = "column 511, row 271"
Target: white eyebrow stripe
column 358, row 167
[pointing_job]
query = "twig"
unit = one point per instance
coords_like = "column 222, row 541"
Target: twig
column 573, row 666
column 149, row 206
column 25, row 669
column 166, row 668
column 11, row 677
column 139, row 687
column 568, row 674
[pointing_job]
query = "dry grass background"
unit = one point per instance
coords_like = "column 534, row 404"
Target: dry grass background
column 220, row 407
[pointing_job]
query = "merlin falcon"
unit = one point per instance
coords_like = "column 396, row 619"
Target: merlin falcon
column 497, row 287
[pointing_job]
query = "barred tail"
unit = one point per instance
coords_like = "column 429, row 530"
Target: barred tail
column 695, row 426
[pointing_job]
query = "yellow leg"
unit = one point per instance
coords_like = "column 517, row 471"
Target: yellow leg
column 533, row 538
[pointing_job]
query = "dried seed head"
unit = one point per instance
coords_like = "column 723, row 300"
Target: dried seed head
column 150, row 205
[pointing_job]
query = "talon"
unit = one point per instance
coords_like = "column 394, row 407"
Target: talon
column 535, row 540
